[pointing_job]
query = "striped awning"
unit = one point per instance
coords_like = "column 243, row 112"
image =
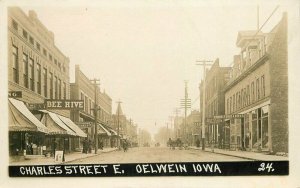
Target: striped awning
column 102, row 129
column 21, row 119
column 55, row 125
column 72, row 126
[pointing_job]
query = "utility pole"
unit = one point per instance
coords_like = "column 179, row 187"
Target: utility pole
column 176, row 122
column 185, row 103
column 96, row 82
column 203, row 63
column 118, row 141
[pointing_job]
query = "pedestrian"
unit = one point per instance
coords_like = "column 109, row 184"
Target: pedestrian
column 90, row 146
column 198, row 143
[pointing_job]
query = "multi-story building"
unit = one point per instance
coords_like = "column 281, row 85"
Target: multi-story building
column 84, row 89
column 216, row 79
column 258, row 90
column 193, row 128
column 39, row 70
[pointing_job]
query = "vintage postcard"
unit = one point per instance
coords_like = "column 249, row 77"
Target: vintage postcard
column 170, row 90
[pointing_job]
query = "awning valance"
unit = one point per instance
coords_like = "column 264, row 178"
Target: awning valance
column 21, row 119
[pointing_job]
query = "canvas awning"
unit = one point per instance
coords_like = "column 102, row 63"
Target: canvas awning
column 55, row 125
column 72, row 126
column 102, row 129
column 21, row 119
column 113, row 132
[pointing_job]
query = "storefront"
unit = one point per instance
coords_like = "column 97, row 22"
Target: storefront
column 59, row 136
column 104, row 136
column 251, row 132
column 26, row 132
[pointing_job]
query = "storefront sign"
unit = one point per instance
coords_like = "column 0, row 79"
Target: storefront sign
column 15, row 94
column 59, row 155
column 36, row 106
column 64, row 104
column 229, row 116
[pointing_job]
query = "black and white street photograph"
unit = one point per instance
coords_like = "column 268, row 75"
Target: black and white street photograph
column 150, row 88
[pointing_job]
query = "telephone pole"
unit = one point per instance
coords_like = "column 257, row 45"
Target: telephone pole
column 96, row 82
column 185, row 103
column 203, row 63
column 118, row 130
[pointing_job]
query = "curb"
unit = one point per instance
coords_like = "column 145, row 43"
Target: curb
column 86, row 157
column 249, row 158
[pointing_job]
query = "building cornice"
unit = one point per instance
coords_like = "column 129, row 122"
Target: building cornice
column 253, row 67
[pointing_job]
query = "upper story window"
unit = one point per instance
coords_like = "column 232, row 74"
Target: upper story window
column 55, row 61
column 44, row 52
column 15, row 24
column 31, row 40
column 38, row 46
column 15, row 58
column 50, row 57
column 25, row 34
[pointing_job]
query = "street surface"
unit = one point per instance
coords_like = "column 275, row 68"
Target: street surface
column 155, row 154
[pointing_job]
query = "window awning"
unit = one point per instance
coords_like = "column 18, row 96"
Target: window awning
column 72, row 126
column 104, row 129
column 55, row 125
column 113, row 132
column 21, row 119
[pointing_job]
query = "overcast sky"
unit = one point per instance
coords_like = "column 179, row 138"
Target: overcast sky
column 143, row 52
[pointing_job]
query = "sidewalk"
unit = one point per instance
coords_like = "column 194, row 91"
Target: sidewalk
column 245, row 154
column 69, row 157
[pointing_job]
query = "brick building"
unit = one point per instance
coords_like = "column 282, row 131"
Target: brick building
column 84, row 89
column 38, row 69
column 258, row 89
column 216, row 79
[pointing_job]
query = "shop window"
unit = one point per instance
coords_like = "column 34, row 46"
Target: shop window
column 15, row 64
column 254, row 133
column 265, row 138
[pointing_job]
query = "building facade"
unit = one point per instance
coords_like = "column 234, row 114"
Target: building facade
column 39, row 70
column 84, row 89
column 258, row 89
column 216, row 79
